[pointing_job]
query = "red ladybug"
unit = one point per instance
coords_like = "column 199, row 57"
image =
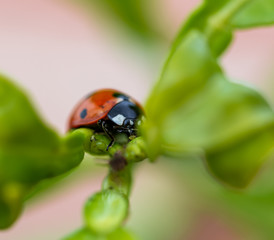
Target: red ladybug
column 108, row 111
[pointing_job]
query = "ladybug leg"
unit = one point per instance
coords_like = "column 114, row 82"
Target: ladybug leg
column 111, row 142
column 104, row 127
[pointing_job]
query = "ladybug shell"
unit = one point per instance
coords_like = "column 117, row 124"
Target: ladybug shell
column 96, row 107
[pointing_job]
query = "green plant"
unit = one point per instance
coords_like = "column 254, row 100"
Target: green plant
column 193, row 110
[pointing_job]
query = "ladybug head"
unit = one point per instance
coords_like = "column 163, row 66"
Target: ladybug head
column 125, row 116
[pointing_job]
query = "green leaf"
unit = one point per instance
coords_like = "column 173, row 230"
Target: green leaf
column 221, row 113
column 231, row 123
column 86, row 234
column 217, row 20
column 29, row 150
column 213, row 19
column 105, row 211
column 194, row 109
column 256, row 13
column 11, row 198
column 184, row 75
column 237, row 163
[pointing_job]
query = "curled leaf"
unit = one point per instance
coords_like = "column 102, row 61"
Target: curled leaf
column 194, row 109
column 30, row 151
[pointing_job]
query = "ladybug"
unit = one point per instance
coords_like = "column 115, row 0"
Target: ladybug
column 108, row 111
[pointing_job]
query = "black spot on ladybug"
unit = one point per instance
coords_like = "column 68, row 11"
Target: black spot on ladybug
column 120, row 95
column 83, row 114
column 101, row 106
